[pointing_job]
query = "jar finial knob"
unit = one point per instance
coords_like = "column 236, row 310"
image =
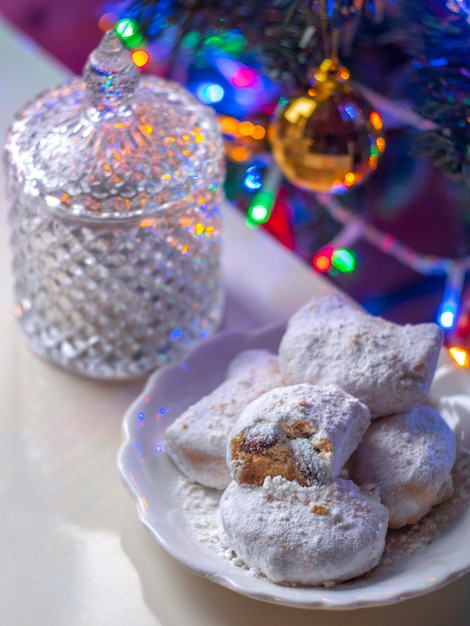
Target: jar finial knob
column 110, row 73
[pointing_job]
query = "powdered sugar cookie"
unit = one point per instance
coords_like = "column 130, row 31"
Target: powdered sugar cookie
column 197, row 440
column 409, row 458
column 304, row 536
column 249, row 361
column 387, row 366
column 302, row 432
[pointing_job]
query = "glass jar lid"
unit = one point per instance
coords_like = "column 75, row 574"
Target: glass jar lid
column 113, row 144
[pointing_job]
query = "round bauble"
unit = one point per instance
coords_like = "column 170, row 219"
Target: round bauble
column 330, row 137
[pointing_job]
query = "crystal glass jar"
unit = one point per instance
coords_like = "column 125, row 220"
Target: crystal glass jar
column 115, row 183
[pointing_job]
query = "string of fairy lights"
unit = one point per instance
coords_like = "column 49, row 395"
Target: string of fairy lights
column 248, row 138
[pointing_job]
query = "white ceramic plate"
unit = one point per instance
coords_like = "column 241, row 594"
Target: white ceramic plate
column 154, row 482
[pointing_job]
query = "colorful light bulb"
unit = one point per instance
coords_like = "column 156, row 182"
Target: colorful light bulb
column 322, row 260
column 343, row 260
column 260, row 209
column 141, row 58
column 446, row 319
column 244, row 77
column 128, row 32
column 460, row 356
column 125, row 28
column 210, row 93
column 253, row 179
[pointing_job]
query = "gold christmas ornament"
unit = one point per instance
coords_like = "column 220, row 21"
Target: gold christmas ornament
column 329, row 138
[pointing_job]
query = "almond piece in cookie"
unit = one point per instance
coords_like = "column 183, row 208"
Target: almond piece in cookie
column 197, row 440
column 301, row 432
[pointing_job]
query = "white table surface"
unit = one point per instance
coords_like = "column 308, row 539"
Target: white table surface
column 72, row 550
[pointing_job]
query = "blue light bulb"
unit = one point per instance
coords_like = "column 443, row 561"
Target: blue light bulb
column 253, row 179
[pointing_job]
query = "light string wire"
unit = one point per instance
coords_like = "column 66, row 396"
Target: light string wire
column 454, row 270
column 355, row 228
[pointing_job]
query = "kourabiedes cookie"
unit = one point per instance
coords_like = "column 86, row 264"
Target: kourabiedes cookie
column 387, row 366
column 305, row 536
column 302, row 432
column 197, row 440
column 408, row 457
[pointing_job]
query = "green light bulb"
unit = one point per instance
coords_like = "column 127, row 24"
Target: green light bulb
column 125, row 28
column 260, row 209
column 344, row 260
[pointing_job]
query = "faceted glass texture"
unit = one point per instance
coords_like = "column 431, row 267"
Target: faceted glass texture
column 115, row 187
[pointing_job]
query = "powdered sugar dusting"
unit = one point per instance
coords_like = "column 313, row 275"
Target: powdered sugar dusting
column 302, row 432
column 411, row 539
column 201, row 507
column 197, row 439
column 387, row 366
